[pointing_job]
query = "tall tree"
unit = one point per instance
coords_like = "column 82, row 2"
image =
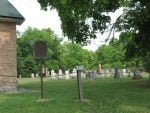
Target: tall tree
column 134, row 24
column 81, row 19
column 26, row 63
column 73, row 55
column 111, row 55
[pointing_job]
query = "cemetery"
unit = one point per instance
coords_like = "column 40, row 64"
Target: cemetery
column 107, row 95
column 105, row 73
column 41, row 74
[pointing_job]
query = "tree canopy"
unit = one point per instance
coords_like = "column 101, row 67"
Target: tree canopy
column 68, row 55
column 26, row 63
column 134, row 24
column 60, row 56
column 81, row 19
column 111, row 55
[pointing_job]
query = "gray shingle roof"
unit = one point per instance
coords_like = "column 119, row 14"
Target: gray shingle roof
column 7, row 10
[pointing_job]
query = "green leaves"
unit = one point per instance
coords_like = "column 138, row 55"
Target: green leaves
column 75, row 13
column 26, row 63
column 64, row 2
column 73, row 55
column 111, row 55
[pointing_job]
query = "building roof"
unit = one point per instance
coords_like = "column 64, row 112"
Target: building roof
column 9, row 13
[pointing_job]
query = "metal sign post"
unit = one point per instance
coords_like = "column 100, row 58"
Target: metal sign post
column 42, row 72
column 79, row 83
column 40, row 52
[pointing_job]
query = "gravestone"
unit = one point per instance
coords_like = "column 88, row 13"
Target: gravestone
column 124, row 72
column 20, row 77
column 91, row 75
column 37, row 75
column 67, row 75
column 60, row 74
column 74, row 73
column 9, row 18
column 46, row 72
column 53, row 74
column 83, row 74
column 107, row 73
column 116, row 73
column 102, row 73
column 32, row 75
column 112, row 71
column 99, row 71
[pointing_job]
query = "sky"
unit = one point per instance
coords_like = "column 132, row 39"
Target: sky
column 37, row 18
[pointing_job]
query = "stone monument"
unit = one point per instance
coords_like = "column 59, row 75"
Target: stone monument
column 9, row 18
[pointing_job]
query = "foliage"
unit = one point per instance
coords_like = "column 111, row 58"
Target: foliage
column 26, row 63
column 69, row 55
column 74, row 55
column 112, row 55
column 81, row 19
column 65, row 56
column 146, row 61
column 134, row 24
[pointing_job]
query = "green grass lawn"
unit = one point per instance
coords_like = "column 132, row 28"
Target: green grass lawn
column 101, row 96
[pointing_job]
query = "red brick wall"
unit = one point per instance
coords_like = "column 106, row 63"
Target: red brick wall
column 8, row 70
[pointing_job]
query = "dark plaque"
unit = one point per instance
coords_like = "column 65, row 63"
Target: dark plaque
column 40, row 50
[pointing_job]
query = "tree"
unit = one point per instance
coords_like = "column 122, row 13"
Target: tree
column 134, row 24
column 111, row 56
column 26, row 63
column 73, row 55
column 65, row 56
column 146, row 61
column 81, row 19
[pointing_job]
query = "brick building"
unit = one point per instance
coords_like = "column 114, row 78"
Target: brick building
column 9, row 18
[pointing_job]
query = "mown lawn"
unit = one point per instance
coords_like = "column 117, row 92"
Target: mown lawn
column 101, row 96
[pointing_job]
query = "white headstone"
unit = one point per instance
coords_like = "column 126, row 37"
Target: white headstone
column 32, row 75
column 46, row 71
column 53, row 75
column 107, row 73
column 37, row 75
column 19, row 76
column 83, row 75
column 102, row 73
column 124, row 72
column 67, row 75
column 74, row 73
column 60, row 74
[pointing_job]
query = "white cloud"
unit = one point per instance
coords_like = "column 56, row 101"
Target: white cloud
column 35, row 17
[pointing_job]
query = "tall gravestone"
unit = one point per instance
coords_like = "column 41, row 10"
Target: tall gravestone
column 9, row 18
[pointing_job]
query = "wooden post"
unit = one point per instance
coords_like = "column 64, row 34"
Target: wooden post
column 79, row 83
column 41, row 76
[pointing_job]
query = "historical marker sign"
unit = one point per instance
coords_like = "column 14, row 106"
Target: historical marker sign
column 40, row 50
